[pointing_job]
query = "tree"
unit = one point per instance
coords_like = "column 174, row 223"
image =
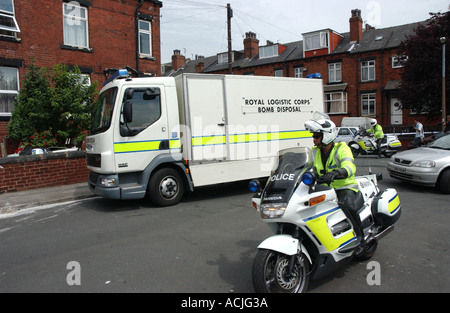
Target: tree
column 421, row 85
column 58, row 101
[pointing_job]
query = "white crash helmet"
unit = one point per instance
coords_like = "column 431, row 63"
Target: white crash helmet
column 322, row 124
column 373, row 122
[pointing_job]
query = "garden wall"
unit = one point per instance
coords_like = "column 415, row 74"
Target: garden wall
column 44, row 170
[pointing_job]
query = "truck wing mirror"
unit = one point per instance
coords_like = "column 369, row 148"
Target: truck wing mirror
column 127, row 112
column 129, row 93
column 151, row 93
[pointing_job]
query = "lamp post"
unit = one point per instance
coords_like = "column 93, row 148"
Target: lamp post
column 443, row 40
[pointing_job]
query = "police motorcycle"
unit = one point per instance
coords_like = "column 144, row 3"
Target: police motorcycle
column 365, row 143
column 313, row 235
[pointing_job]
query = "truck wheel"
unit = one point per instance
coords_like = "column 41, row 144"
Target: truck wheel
column 165, row 187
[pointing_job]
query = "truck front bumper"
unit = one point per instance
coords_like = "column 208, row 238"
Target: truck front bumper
column 106, row 186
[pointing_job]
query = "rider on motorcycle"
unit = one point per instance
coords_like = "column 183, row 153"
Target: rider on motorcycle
column 333, row 162
column 377, row 131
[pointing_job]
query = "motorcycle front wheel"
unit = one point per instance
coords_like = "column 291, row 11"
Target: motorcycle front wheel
column 355, row 151
column 270, row 273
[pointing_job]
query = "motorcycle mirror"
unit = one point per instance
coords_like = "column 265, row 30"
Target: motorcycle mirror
column 379, row 176
column 254, row 185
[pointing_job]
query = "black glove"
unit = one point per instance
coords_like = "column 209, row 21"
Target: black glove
column 328, row 178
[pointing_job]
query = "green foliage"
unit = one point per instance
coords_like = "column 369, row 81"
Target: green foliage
column 56, row 99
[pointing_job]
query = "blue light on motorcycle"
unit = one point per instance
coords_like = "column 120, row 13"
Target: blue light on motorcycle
column 254, row 185
column 308, row 179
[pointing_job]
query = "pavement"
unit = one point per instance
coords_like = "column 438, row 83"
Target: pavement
column 14, row 201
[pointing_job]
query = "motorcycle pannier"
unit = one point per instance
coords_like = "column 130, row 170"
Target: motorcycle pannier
column 386, row 207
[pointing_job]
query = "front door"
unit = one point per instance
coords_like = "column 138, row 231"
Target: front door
column 396, row 112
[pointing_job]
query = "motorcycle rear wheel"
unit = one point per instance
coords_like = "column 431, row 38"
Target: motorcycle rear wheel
column 269, row 273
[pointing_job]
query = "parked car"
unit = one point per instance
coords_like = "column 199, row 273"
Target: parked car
column 428, row 165
column 426, row 139
column 346, row 134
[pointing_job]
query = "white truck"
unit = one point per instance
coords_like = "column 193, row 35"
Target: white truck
column 162, row 136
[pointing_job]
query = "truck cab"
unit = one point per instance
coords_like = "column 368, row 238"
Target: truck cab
column 131, row 135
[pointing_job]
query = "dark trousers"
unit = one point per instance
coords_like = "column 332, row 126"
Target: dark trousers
column 351, row 201
column 418, row 142
column 379, row 146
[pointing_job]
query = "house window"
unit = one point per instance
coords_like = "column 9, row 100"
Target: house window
column 145, row 38
column 368, row 70
column 75, row 23
column 368, row 104
column 8, row 23
column 268, row 51
column 398, row 61
column 335, row 102
column 278, row 73
column 9, row 88
column 298, row 72
column 334, row 72
column 223, row 58
column 316, row 41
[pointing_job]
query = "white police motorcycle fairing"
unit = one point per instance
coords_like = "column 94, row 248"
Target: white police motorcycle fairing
column 365, row 143
column 313, row 234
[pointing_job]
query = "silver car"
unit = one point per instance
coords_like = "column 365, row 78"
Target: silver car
column 428, row 165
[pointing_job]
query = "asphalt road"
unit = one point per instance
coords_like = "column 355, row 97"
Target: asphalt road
column 206, row 244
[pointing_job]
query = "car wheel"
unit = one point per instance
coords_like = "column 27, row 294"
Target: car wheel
column 443, row 183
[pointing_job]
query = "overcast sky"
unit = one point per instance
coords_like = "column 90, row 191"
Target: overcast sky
column 199, row 27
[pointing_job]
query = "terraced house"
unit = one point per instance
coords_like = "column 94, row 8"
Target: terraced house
column 360, row 69
column 94, row 35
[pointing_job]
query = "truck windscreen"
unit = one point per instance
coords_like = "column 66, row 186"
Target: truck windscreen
column 103, row 110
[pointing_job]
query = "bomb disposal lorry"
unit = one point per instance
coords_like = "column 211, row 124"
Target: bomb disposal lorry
column 163, row 136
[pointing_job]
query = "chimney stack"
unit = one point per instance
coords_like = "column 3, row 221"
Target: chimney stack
column 178, row 60
column 199, row 67
column 251, row 45
column 356, row 29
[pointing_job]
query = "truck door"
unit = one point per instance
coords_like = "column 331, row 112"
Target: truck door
column 143, row 131
column 207, row 118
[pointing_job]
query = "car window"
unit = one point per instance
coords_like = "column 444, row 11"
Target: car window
column 343, row 131
column 441, row 143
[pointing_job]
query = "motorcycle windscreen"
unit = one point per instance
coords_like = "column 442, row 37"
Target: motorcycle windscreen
column 286, row 177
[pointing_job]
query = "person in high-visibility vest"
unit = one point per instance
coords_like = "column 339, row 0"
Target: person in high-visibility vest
column 377, row 131
column 334, row 163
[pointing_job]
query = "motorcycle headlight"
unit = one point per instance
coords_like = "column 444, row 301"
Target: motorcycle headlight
column 273, row 210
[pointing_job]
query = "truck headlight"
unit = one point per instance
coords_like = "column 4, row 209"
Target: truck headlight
column 273, row 210
column 108, row 182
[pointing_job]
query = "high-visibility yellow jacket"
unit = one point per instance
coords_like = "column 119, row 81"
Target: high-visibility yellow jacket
column 377, row 131
column 340, row 157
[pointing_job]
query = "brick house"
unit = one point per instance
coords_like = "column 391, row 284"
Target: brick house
column 93, row 35
column 360, row 69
